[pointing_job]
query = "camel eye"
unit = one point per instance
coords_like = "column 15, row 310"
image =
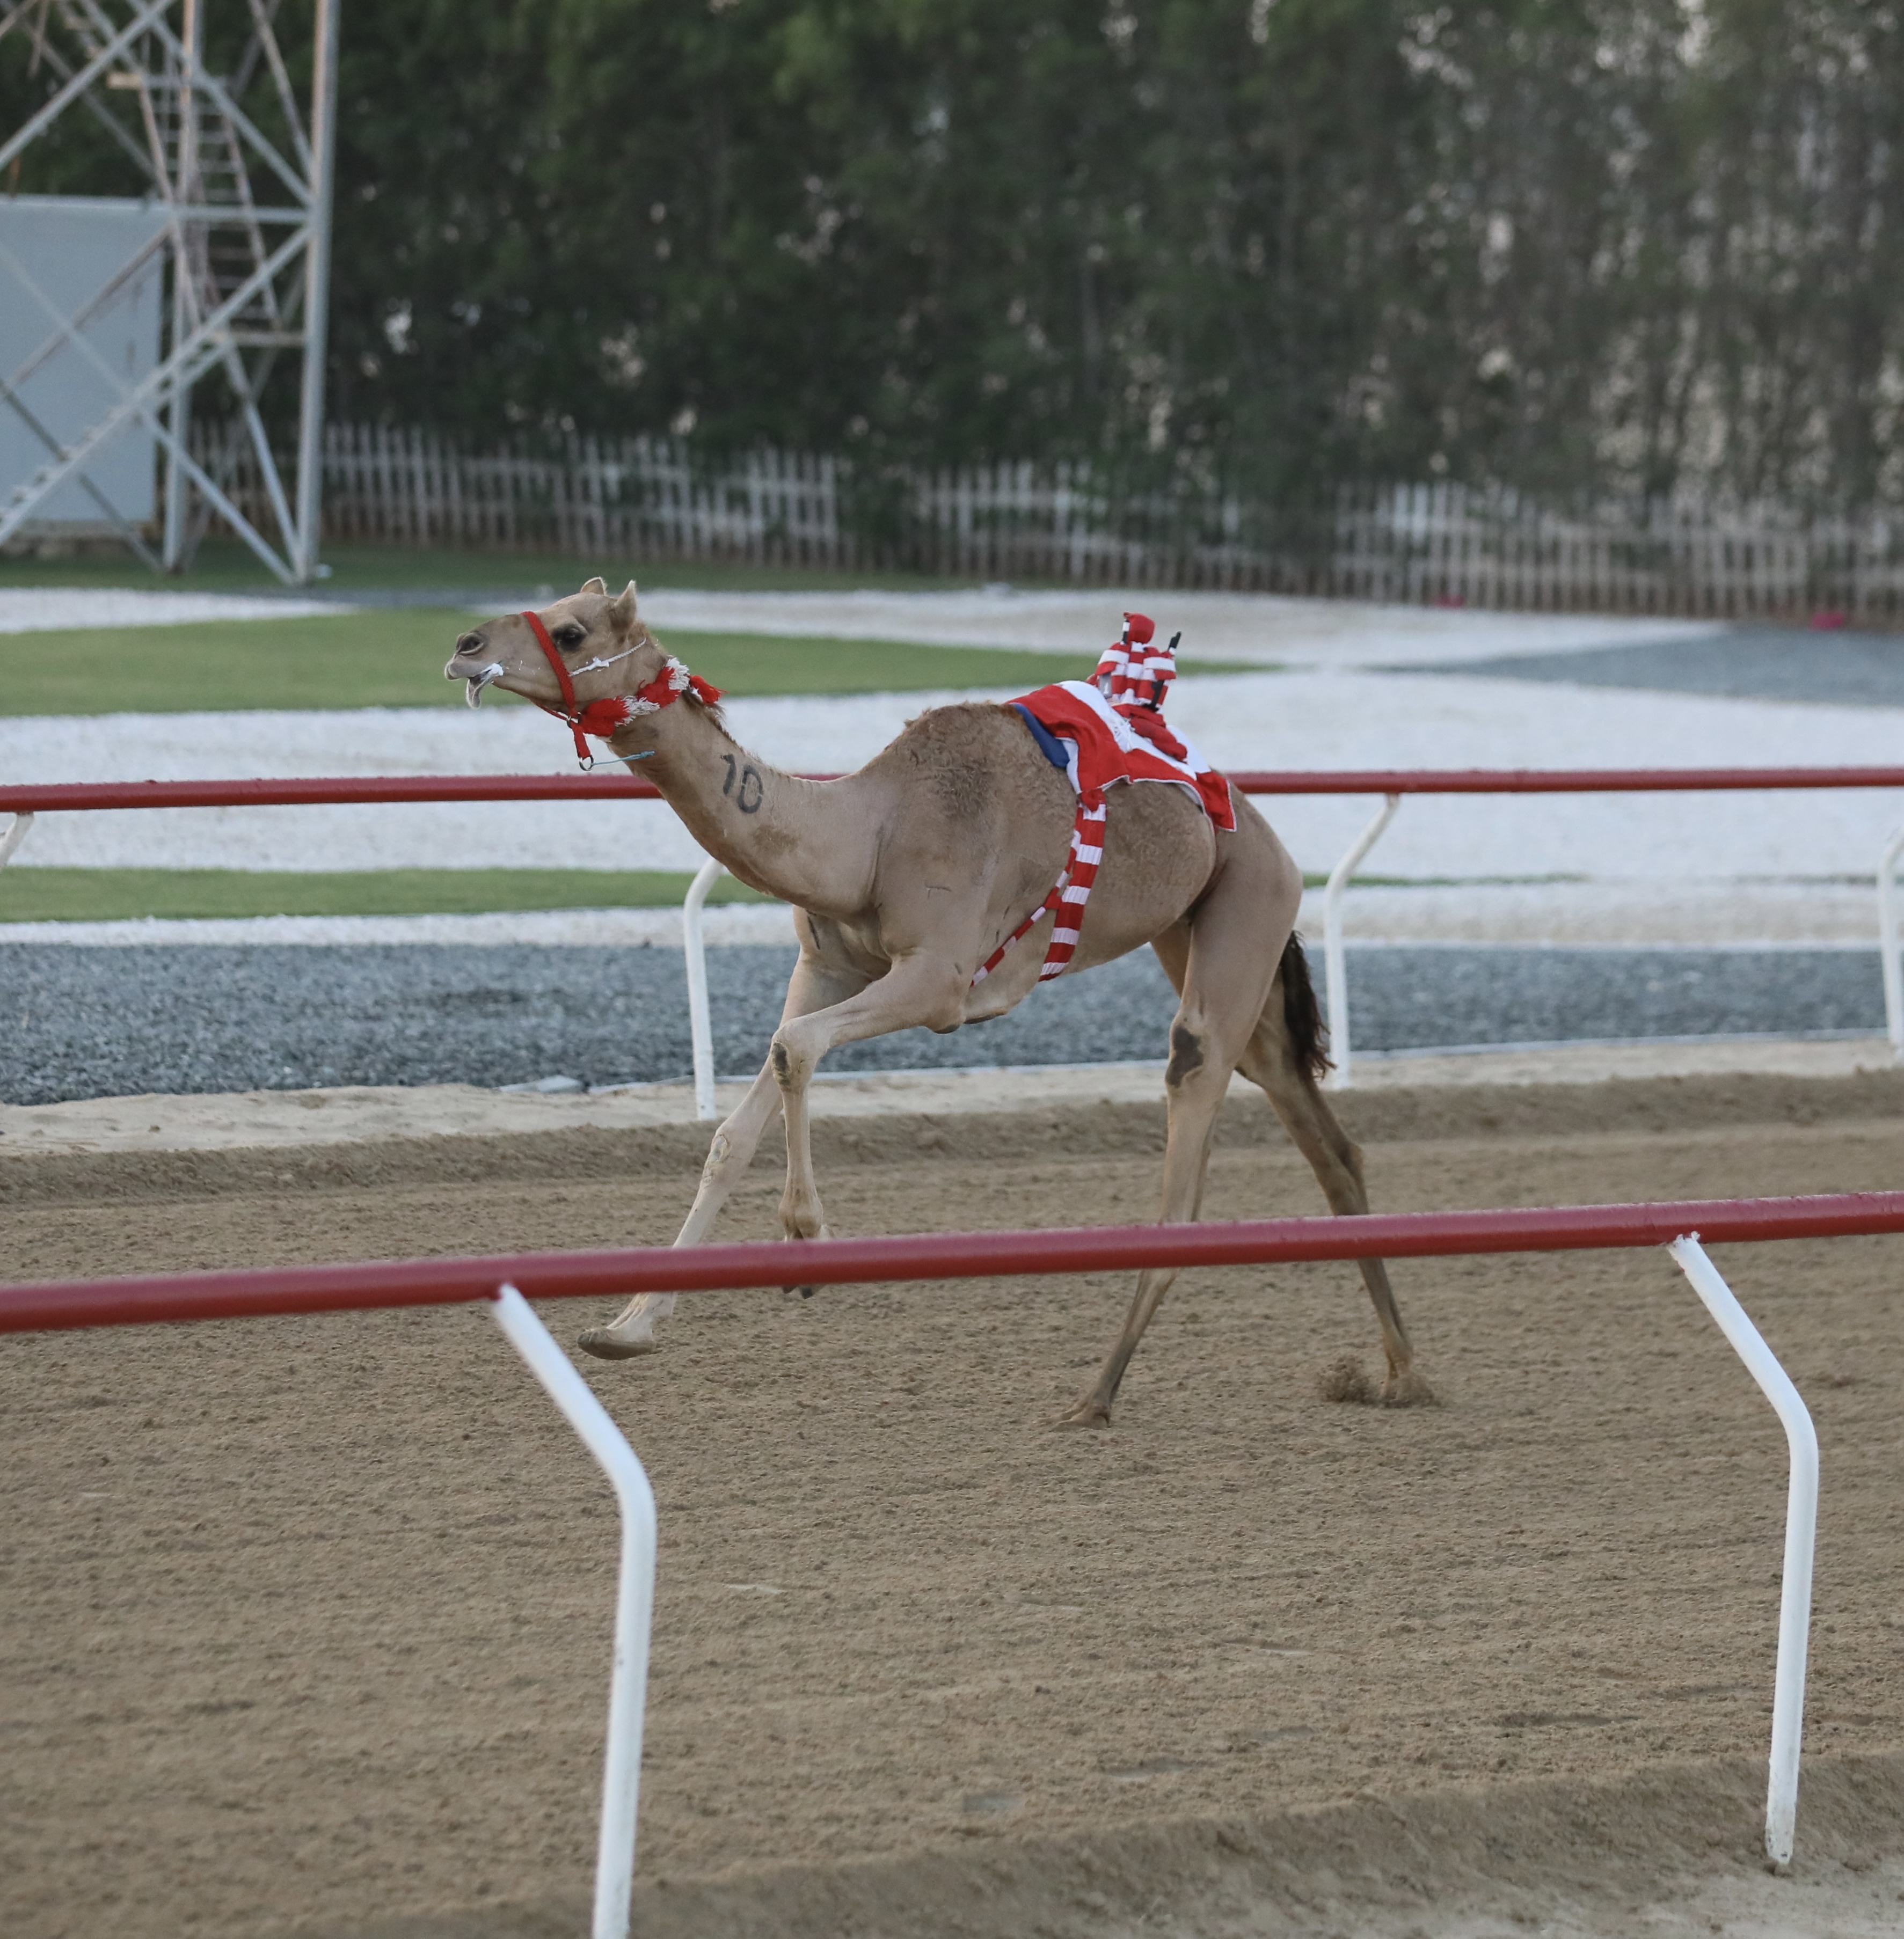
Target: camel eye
column 570, row 637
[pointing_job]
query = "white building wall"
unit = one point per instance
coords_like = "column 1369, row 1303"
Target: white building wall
column 74, row 248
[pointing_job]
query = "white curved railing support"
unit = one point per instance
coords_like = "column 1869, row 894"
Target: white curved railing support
column 1888, row 945
column 16, row 834
column 694, row 949
column 628, row 1688
column 1801, row 1533
column 1335, row 960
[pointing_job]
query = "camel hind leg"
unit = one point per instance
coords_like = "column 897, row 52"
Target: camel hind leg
column 1284, row 1059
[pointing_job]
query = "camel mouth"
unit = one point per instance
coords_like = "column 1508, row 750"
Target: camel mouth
column 478, row 679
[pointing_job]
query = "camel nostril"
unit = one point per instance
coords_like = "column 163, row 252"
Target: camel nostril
column 470, row 643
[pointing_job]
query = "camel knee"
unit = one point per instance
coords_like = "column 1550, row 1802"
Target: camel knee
column 723, row 1161
column 928, row 994
column 792, row 1066
column 1190, row 1053
column 1202, row 1059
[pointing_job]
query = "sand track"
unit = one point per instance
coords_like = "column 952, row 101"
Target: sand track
column 306, row 1622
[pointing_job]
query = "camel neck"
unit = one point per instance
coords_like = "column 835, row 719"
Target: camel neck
column 768, row 828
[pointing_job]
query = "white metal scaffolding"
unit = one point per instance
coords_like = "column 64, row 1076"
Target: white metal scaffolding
column 240, row 172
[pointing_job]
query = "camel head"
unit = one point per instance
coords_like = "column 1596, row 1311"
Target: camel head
column 605, row 648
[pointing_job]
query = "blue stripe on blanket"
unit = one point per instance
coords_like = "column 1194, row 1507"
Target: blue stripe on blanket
column 1049, row 743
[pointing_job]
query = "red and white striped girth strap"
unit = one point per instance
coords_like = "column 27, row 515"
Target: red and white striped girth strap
column 1068, row 895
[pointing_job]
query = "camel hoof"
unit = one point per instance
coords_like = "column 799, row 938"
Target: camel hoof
column 1408, row 1389
column 1088, row 1412
column 605, row 1345
column 805, row 1292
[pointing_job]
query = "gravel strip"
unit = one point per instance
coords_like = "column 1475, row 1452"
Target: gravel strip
column 87, row 1023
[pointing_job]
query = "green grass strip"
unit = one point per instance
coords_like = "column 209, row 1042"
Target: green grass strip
column 28, row 894
column 394, row 656
column 113, row 895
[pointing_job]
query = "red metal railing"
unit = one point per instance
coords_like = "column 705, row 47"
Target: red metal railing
column 26, row 801
column 309, row 791
column 933, row 1255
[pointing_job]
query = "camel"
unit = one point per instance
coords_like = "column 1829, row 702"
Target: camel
column 904, row 877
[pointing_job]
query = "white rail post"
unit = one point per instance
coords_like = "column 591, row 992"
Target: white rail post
column 15, row 835
column 1335, row 962
column 1888, row 942
column 628, row 1688
column 694, row 949
column 1801, row 1531
column 302, row 544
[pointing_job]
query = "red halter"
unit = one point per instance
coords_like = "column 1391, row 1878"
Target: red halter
column 604, row 717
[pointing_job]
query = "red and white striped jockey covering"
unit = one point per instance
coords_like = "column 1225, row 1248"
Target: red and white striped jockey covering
column 1109, row 730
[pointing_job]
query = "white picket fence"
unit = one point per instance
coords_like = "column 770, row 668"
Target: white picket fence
column 632, row 497
column 619, row 501
column 1452, row 543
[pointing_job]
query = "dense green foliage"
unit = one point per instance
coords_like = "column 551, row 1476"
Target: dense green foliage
column 1572, row 245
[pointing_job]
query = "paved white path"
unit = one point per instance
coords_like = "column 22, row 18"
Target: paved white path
column 1334, row 708
column 1617, row 915
column 1254, row 626
column 34, row 609
column 350, row 1115
column 1256, row 720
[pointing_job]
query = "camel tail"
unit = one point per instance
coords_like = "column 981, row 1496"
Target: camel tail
column 1308, row 1035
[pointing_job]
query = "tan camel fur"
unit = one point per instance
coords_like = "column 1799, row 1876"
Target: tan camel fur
column 904, row 877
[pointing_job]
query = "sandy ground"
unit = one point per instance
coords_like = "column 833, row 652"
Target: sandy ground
column 304, row 1623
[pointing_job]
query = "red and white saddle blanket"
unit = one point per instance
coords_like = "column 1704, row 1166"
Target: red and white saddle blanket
column 1102, row 732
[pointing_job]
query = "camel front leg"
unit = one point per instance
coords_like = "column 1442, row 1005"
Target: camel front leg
column 916, row 990
column 812, row 986
column 632, row 1331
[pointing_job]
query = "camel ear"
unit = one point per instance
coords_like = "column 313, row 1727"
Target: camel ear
column 621, row 614
column 595, row 585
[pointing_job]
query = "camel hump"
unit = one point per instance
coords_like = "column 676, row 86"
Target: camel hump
column 977, row 762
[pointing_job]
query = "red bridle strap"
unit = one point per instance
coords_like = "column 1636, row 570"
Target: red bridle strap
column 568, row 711
column 602, row 717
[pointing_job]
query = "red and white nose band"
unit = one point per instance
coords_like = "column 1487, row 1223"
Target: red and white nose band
column 601, row 718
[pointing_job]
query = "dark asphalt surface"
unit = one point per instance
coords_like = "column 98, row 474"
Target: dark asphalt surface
column 1749, row 663
column 79, row 1022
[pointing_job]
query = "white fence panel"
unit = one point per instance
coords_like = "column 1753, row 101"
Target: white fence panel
column 1455, row 544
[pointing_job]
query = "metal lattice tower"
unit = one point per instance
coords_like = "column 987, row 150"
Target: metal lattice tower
column 245, row 235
